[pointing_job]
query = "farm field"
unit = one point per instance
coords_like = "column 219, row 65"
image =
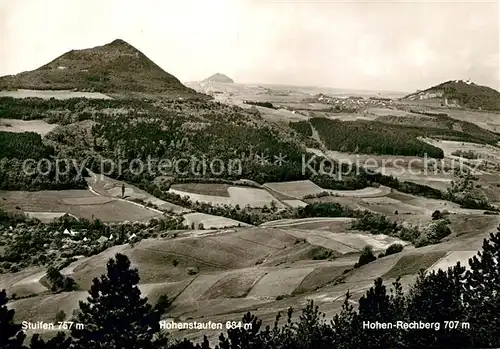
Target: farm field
column 390, row 112
column 38, row 126
column 209, row 221
column 221, row 274
column 103, row 201
column 483, row 151
column 300, row 189
column 216, row 258
column 281, row 115
column 408, row 207
column 440, row 181
column 79, row 203
column 345, row 242
column 45, row 217
column 431, row 172
column 294, row 203
column 295, row 189
column 234, row 195
column 373, row 161
column 344, row 116
column 309, row 222
column 486, row 120
column 203, row 188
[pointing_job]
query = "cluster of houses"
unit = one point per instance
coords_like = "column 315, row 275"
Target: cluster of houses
column 351, row 101
column 102, row 239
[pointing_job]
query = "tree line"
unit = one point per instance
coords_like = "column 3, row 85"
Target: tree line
column 25, row 145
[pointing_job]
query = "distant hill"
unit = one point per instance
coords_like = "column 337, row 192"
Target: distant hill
column 114, row 67
column 218, row 77
column 461, row 93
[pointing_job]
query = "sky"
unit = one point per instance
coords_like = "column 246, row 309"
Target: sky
column 367, row 45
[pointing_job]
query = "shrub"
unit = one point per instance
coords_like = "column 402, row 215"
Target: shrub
column 434, row 234
column 375, row 224
column 192, row 271
column 163, row 302
column 466, row 154
column 394, row 248
column 60, row 316
column 440, row 230
column 491, row 213
column 261, row 104
column 366, row 257
column 322, row 254
column 436, row 215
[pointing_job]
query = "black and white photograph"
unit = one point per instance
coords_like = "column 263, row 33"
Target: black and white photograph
column 249, row 174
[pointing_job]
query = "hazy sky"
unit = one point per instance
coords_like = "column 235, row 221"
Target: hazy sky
column 383, row 45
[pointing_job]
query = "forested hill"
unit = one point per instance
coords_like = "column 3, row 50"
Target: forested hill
column 218, row 77
column 114, row 67
column 466, row 93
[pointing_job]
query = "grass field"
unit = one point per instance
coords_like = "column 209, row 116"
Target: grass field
column 318, row 278
column 374, row 161
column 45, row 307
column 452, row 258
column 15, row 125
column 215, row 189
column 173, row 289
column 24, row 283
column 412, row 264
column 86, row 269
column 470, row 226
column 47, row 94
column 279, row 282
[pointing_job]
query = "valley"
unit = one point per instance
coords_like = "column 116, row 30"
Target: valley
column 231, row 197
